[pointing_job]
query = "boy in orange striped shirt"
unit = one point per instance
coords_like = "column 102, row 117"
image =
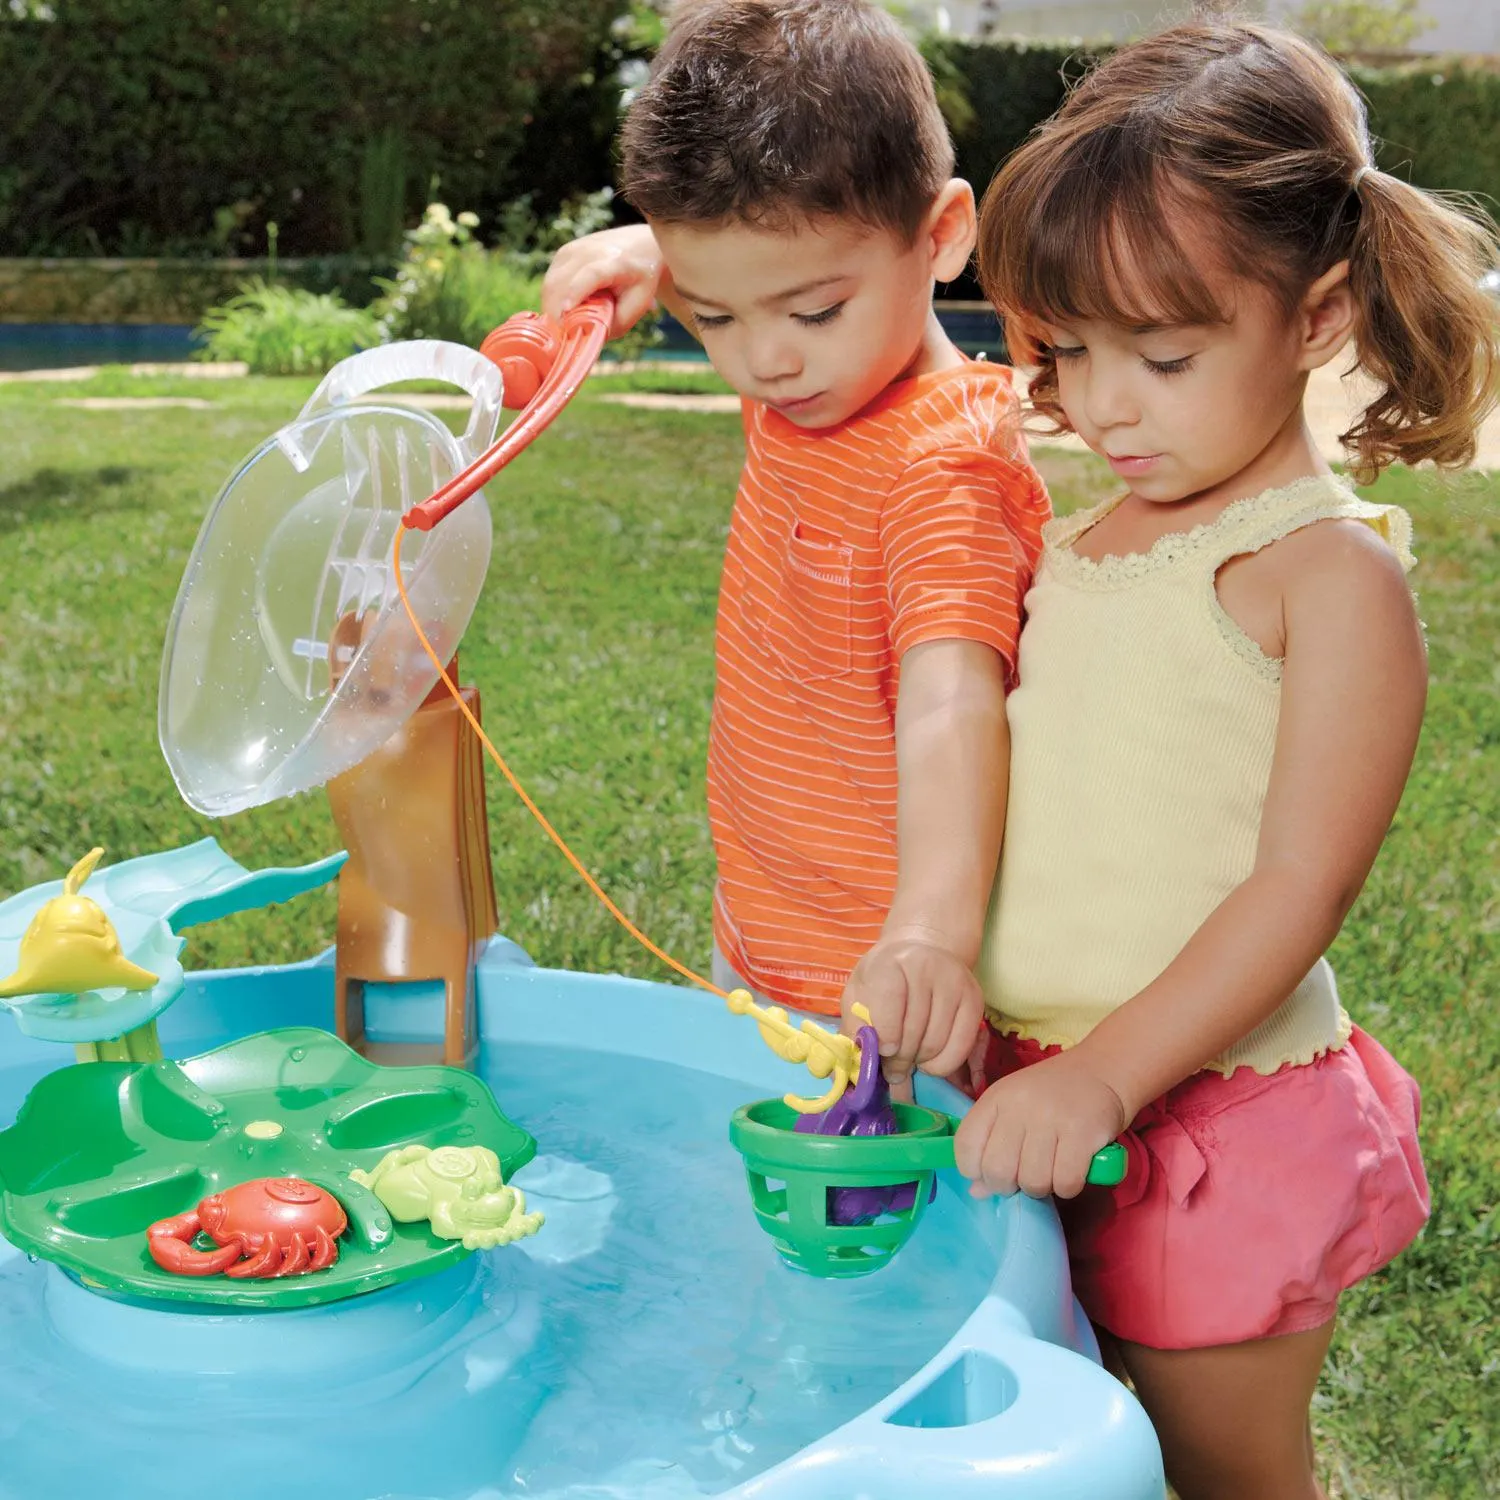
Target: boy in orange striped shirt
column 796, row 178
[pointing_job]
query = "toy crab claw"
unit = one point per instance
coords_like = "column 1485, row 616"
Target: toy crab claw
column 72, row 947
column 825, row 1054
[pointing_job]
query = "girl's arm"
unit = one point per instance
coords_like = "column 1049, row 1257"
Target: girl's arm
column 1353, row 689
column 953, row 759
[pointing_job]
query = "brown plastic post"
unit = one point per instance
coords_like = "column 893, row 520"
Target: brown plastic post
column 417, row 896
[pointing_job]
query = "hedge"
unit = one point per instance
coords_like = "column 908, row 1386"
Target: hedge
column 162, row 127
column 169, row 126
column 1439, row 126
column 1011, row 88
column 1437, row 120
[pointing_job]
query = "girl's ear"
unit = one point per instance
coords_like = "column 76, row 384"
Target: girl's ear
column 1326, row 317
column 951, row 229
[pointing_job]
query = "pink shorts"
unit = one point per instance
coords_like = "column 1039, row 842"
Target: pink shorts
column 1251, row 1201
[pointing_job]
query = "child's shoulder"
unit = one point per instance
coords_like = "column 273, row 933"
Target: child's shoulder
column 973, row 406
column 962, row 415
column 974, row 396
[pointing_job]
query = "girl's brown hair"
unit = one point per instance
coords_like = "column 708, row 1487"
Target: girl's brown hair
column 1259, row 134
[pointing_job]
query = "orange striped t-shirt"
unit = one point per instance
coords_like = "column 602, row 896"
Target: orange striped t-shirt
column 917, row 520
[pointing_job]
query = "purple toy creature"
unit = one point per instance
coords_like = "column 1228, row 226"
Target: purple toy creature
column 864, row 1109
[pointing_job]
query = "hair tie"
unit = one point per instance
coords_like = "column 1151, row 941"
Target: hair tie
column 1360, row 176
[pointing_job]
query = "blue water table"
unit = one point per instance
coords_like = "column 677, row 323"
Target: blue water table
column 320, row 1260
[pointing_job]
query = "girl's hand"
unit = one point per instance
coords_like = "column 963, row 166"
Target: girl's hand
column 624, row 262
column 925, row 1005
column 1038, row 1129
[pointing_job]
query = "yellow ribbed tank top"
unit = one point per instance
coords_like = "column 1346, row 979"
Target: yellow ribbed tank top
column 1142, row 734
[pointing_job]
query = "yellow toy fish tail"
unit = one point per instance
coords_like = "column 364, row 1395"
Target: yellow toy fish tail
column 73, row 881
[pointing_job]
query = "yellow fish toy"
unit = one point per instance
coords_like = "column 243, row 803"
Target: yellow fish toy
column 71, row 946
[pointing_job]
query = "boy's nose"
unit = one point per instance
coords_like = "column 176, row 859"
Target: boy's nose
column 772, row 357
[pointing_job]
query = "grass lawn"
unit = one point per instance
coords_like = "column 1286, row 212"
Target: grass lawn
column 593, row 646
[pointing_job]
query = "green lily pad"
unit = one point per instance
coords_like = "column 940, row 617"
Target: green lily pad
column 102, row 1150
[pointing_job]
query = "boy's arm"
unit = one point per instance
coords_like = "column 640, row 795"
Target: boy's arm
column 952, row 755
column 624, row 262
column 957, row 533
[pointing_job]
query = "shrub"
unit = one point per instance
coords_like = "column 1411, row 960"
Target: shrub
column 533, row 243
column 450, row 287
column 1362, row 25
column 279, row 330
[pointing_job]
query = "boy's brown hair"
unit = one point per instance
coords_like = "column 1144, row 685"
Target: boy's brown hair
column 1253, row 147
column 775, row 111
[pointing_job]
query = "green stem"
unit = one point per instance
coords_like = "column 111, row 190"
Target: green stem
column 141, row 1045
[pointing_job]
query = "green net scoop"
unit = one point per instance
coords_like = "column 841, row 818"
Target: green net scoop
column 793, row 1178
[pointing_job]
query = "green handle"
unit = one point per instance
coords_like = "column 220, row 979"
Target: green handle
column 935, row 1153
column 1109, row 1166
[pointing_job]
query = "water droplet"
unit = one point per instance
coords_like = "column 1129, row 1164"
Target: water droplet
column 297, row 1054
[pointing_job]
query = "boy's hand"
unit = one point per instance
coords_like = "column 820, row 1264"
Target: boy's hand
column 624, row 262
column 924, row 1003
column 1038, row 1129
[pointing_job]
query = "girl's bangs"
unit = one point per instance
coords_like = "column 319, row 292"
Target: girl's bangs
column 1100, row 244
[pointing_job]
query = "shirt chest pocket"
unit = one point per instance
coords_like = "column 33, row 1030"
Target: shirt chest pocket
column 808, row 623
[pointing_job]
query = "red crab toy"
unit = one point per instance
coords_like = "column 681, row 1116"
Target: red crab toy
column 285, row 1226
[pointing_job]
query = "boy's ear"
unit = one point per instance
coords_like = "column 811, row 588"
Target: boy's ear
column 951, row 229
column 1326, row 317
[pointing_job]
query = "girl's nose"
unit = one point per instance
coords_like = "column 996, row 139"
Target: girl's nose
column 1108, row 399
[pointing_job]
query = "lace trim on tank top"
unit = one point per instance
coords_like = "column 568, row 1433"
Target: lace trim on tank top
column 1245, row 526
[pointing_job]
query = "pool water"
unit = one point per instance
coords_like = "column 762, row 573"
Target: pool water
column 647, row 1342
column 53, row 346
column 45, row 346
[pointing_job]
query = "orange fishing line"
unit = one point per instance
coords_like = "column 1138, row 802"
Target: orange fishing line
column 531, row 806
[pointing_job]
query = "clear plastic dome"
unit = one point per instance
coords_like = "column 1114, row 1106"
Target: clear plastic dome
column 289, row 656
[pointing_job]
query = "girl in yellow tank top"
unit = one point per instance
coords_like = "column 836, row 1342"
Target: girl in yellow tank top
column 1222, row 679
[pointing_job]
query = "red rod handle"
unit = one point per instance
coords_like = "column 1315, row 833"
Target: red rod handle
column 562, row 366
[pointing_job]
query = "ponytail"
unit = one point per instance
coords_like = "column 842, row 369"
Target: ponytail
column 1424, row 328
